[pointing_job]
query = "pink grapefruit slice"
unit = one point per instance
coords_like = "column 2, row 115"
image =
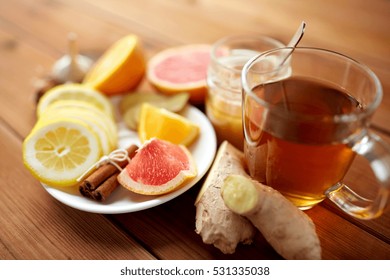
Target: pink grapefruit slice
column 157, row 168
column 181, row 69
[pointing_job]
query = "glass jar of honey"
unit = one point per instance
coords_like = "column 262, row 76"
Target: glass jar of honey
column 223, row 101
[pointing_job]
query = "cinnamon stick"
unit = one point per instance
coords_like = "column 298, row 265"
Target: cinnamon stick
column 102, row 182
column 106, row 188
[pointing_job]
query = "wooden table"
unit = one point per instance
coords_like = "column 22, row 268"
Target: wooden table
column 34, row 225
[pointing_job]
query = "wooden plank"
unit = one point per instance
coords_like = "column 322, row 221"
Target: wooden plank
column 36, row 226
column 342, row 240
column 45, row 26
column 20, row 64
column 116, row 18
column 269, row 18
column 162, row 17
column 32, row 36
column 362, row 180
column 169, row 230
column 29, row 47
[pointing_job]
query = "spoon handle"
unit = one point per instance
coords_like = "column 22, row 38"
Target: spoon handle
column 294, row 41
column 297, row 36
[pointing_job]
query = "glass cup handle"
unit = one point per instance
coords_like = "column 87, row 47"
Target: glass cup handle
column 377, row 153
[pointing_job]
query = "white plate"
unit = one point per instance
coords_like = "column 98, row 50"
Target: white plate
column 124, row 201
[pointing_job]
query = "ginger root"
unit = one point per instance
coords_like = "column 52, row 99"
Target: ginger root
column 287, row 229
column 215, row 223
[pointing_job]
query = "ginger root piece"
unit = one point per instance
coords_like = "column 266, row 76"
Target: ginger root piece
column 287, row 229
column 215, row 223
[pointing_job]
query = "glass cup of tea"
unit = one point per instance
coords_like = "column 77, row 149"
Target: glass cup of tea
column 223, row 101
column 306, row 113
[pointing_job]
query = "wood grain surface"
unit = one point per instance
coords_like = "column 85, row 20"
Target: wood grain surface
column 33, row 36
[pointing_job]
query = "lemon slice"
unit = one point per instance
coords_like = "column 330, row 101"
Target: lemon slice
column 88, row 118
column 165, row 125
column 75, row 92
column 61, row 151
column 80, row 109
column 120, row 69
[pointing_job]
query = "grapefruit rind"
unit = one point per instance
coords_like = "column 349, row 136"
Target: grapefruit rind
column 184, row 176
column 197, row 89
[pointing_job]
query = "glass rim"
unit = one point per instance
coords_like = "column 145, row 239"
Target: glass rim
column 367, row 110
column 242, row 37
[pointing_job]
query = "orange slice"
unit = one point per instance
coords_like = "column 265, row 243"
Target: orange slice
column 120, row 69
column 160, row 123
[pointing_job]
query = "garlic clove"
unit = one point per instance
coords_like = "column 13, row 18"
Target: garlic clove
column 71, row 67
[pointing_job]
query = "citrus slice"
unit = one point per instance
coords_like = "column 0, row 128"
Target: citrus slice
column 80, row 107
column 162, row 124
column 83, row 107
column 61, row 151
column 158, row 167
column 97, row 125
column 120, row 69
column 181, row 69
column 75, row 92
column 130, row 105
column 174, row 103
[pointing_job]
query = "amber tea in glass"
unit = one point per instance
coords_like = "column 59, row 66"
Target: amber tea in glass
column 298, row 157
column 305, row 121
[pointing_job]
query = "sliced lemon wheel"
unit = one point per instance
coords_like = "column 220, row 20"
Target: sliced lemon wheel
column 163, row 124
column 76, row 92
column 59, row 152
column 96, row 125
column 81, row 109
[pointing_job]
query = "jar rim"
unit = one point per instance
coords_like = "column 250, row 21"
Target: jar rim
column 242, row 38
